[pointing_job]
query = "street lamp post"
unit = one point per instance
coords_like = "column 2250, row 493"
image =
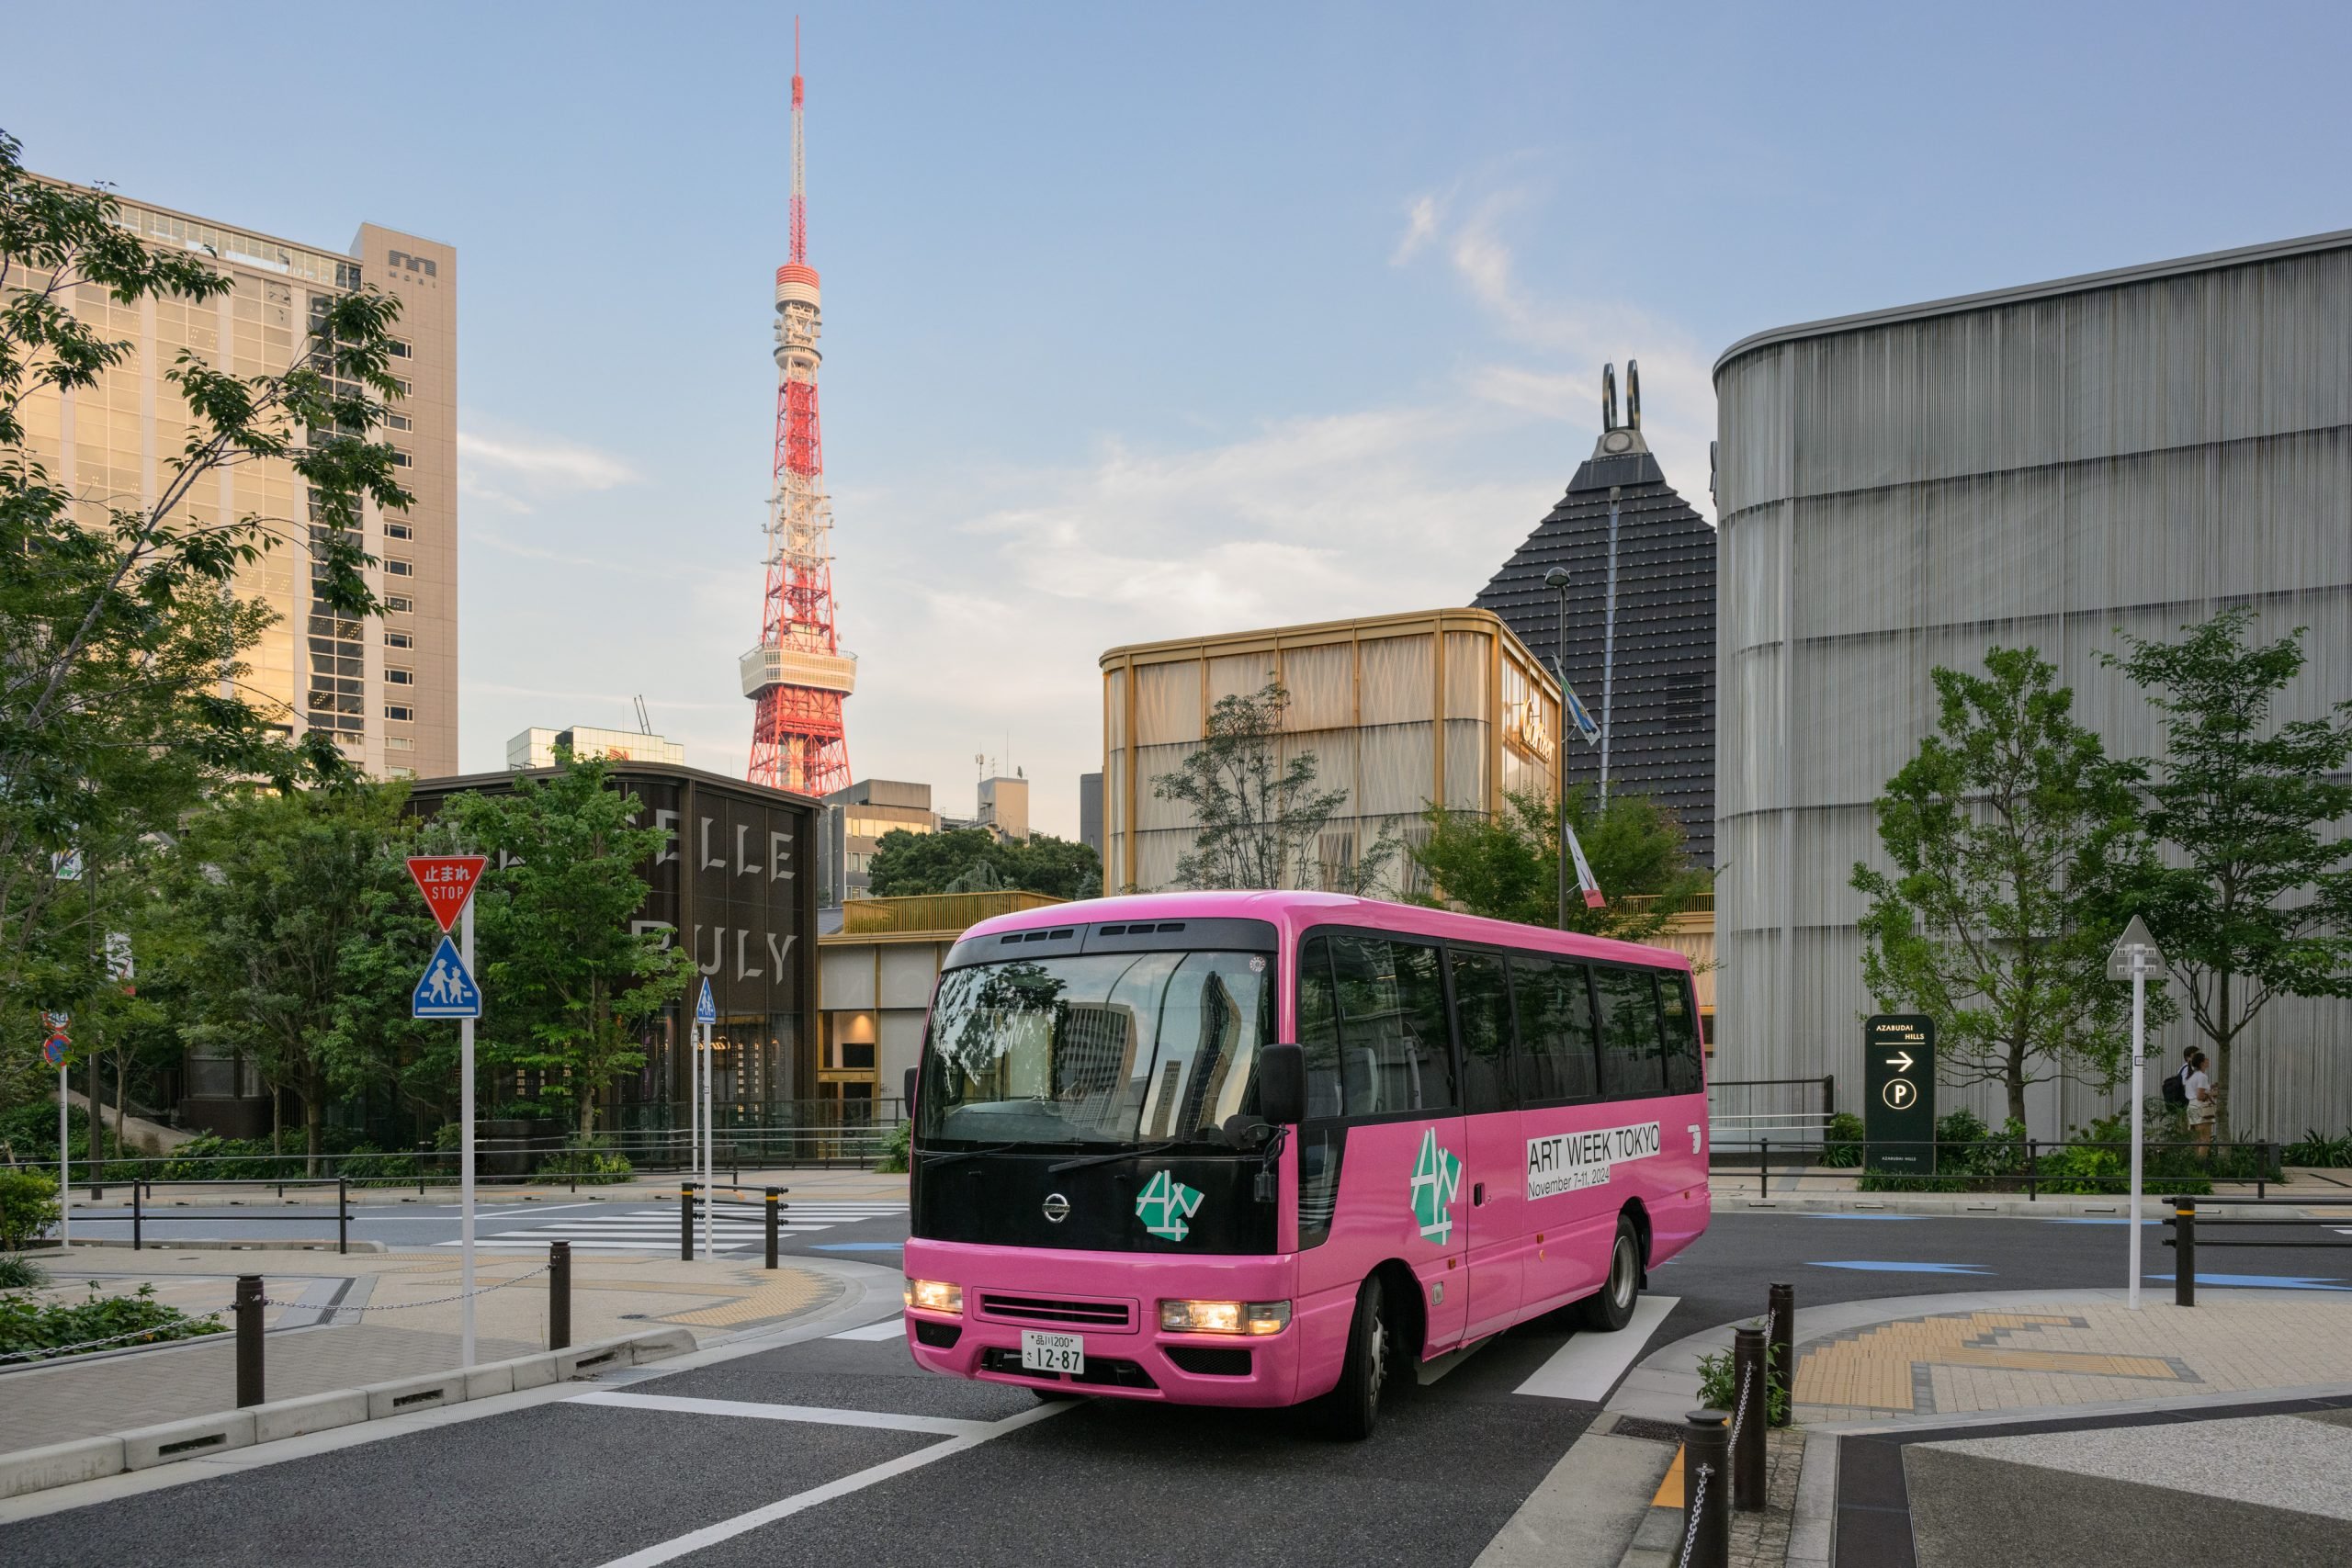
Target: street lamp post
column 1557, row 580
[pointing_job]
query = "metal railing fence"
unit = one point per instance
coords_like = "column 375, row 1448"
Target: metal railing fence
column 2033, row 1166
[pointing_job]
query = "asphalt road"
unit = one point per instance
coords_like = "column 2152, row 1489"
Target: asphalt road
column 594, row 1480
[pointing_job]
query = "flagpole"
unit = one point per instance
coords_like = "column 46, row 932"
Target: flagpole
column 466, row 1139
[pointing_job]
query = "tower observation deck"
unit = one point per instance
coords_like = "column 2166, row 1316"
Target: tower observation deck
column 797, row 675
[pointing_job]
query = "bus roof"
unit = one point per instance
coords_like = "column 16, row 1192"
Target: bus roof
column 1291, row 912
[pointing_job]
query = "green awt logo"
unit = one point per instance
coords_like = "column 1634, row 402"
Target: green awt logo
column 1165, row 1205
column 1437, row 1178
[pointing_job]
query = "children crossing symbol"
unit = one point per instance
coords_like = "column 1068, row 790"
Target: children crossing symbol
column 447, row 990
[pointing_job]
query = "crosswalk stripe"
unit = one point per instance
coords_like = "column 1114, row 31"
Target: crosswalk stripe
column 734, row 1227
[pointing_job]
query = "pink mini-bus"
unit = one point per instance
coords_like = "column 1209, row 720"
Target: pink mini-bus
column 1262, row 1148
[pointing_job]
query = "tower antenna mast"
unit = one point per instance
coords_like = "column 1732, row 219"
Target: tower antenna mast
column 798, row 676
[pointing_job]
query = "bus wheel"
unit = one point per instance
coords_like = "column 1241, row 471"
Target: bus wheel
column 1611, row 1307
column 1352, row 1409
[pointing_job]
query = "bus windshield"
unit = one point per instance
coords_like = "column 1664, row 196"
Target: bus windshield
column 1097, row 1050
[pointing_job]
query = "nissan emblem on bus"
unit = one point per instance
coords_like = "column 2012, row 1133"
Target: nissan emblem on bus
column 1056, row 1207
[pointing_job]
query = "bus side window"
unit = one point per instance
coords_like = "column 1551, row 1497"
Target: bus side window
column 1629, row 1063
column 1682, row 1075
column 1559, row 1059
column 1396, row 1051
column 1318, row 1030
column 1482, row 1014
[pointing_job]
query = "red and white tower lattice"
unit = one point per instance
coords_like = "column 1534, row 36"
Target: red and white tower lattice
column 798, row 674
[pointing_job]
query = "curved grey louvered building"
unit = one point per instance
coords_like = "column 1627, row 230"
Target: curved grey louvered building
column 2039, row 466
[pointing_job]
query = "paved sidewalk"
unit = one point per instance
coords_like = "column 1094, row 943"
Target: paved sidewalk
column 343, row 1322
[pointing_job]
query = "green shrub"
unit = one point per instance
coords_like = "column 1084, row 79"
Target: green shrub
column 1719, row 1388
column 18, row 1272
column 2313, row 1149
column 596, row 1162
column 27, row 1207
column 27, row 1324
column 1841, row 1145
column 897, row 1148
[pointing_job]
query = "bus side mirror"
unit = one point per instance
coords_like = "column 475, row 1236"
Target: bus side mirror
column 1281, row 1084
column 907, row 1087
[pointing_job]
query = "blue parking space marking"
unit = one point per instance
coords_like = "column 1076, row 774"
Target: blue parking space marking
column 2264, row 1282
column 1876, row 1265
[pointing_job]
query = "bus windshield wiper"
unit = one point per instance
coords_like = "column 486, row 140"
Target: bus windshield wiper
column 949, row 1157
column 1137, row 1152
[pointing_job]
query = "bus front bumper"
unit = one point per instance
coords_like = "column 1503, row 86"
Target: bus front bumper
column 1111, row 1299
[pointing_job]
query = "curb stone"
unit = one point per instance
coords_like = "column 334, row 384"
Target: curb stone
column 89, row 1458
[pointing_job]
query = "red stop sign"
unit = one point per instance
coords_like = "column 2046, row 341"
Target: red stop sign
column 446, row 881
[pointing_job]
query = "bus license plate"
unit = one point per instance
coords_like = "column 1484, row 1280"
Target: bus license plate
column 1043, row 1352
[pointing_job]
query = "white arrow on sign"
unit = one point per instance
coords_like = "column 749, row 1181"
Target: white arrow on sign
column 1900, row 1060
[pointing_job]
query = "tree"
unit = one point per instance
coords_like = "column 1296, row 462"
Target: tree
column 570, row 984
column 1507, row 867
column 1260, row 822
column 119, row 624
column 2255, row 900
column 965, row 859
column 2004, row 831
column 265, row 900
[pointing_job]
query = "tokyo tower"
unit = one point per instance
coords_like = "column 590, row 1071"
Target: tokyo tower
column 798, row 675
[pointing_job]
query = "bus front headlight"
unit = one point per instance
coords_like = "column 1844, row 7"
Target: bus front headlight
column 1255, row 1318
column 935, row 1295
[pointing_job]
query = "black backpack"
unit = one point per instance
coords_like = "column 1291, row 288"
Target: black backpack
column 2177, row 1090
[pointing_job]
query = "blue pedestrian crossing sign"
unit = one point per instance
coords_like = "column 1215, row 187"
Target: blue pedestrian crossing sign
column 447, row 990
column 705, row 1011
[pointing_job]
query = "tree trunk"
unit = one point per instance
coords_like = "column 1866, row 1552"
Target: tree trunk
column 311, row 1119
column 276, row 1120
column 2016, row 1075
column 2225, row 1034
column 98, row 1117
column 122, row 1097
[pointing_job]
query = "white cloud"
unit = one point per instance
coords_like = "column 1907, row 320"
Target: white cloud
column 539, row 465
column 1420, row 227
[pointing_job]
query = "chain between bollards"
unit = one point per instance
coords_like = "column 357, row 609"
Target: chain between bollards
column 1706, row 1536
column 248, row 1314
column 559, row 1296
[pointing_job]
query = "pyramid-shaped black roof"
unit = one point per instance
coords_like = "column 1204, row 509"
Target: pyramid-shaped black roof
column 1662, row 729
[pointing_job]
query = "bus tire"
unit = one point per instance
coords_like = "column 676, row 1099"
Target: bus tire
column 1610, row 1307
column 1351, row 1410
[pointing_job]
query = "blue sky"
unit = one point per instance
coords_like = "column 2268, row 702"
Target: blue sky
column 1139, row 322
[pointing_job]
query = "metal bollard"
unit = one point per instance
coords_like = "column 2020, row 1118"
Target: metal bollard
column 1706, row 1501
column 685, row 1222
column 775, row 1215
column 1747, row 1419
column 559, row 1296
column 1783, row 1368
column 248, row 1318
column 137, row 1243
column 1764, row 1169
column 2184, row 1253
column 342, row 1214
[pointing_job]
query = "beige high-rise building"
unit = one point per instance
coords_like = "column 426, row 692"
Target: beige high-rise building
column 388, row 688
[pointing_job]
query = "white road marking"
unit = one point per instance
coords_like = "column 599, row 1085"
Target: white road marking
column 1589, row 1365
column 735, row 1227
column 888, row 1328
column 819, row 1415
column 785, row 1507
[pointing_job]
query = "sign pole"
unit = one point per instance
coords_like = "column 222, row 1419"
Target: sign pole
column 694, row 1103
column 2138, row 1050
column 466, row 1138
column 64, row 1162
column 710, row 1140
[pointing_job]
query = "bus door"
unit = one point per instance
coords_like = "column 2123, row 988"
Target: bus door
column 1495, row 1158
column 1558, row 1067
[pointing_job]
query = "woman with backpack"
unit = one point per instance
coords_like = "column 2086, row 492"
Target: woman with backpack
column 2199, row 1089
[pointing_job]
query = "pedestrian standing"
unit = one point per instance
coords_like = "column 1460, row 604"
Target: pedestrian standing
column 2201, row 1101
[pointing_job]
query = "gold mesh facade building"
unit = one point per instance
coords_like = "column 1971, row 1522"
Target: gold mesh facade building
column 1443, row 705
column 387, row 689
